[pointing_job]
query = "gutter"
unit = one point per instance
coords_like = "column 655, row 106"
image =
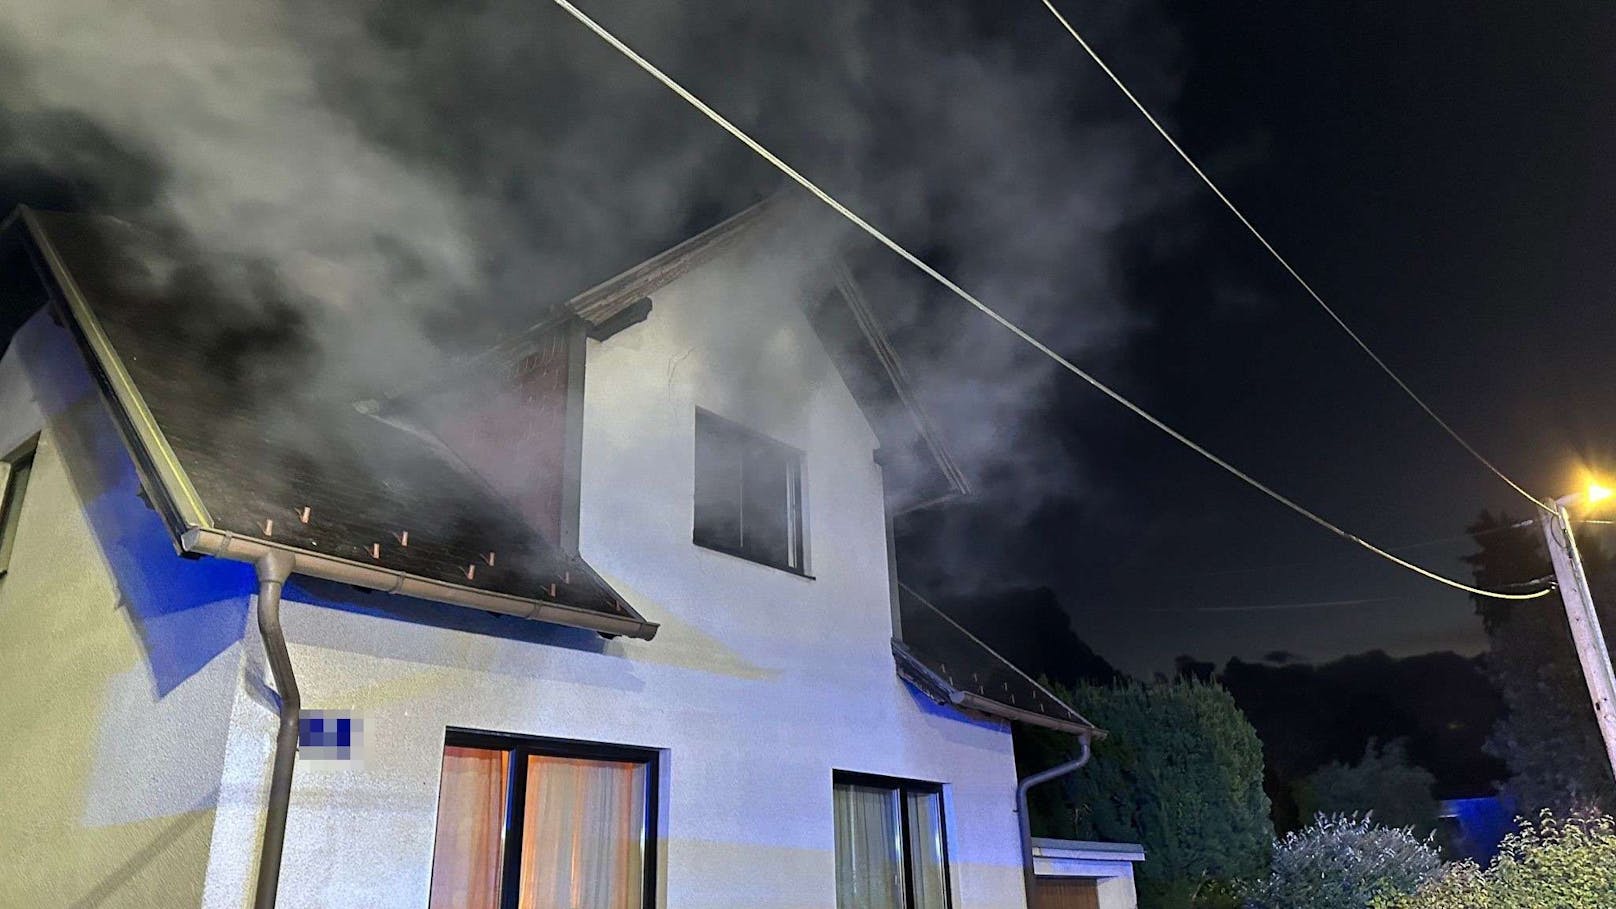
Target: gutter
column 1029, row 878
column 227, row 545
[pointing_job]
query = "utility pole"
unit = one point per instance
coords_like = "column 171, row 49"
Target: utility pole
column 1585, row 630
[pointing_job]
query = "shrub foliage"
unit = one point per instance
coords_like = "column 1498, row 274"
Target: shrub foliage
column 1549, row 864
column 1343, row 862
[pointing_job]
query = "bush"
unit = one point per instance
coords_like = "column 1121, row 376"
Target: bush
column 1552, row 864
column 1180, row 772
column 1343, row 862
column 1219, row 894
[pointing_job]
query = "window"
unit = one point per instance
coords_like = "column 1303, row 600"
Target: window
column 748, row 494
column 891, row 850
column 14, row 473
column 536, row 824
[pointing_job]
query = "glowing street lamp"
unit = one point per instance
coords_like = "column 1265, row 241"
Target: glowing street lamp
column 1594, row 493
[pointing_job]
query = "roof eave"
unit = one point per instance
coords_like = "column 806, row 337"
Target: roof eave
column 227, row 545
column 959, row 485
column 938, row 689
column 159, row 468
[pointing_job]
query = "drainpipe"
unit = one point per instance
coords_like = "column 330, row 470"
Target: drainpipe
column 1055, row 772
column 274, row 567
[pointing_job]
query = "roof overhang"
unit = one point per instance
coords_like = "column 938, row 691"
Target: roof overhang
column 1080, row 858
column 952, row 666
column 934, row 686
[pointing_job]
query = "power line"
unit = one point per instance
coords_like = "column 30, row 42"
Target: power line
column 988, row 311
column 1421, row 544
column 1283, row 262
column 1279, row 607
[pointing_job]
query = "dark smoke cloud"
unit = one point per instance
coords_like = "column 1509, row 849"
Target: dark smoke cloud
column 434, row 174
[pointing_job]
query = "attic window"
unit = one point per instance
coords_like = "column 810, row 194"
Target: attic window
column 748, row 494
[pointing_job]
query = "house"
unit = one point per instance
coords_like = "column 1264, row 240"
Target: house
column 604, row 616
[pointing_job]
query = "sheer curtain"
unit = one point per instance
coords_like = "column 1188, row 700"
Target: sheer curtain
column 868, row 870
column 471, row 824
column 582, row 834
column 930, row 880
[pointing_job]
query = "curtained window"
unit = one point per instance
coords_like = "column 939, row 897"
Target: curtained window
column 528, row 824
column 891, row 851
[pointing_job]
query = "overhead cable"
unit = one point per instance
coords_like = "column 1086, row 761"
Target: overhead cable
column 1005, row 323
column 1284, row 262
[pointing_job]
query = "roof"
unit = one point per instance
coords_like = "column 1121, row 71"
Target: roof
column 238, row 457
column 1043, row 845
column 1084, row 858
column 951, row 666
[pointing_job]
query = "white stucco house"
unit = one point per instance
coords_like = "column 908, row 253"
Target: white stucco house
column 605, row 617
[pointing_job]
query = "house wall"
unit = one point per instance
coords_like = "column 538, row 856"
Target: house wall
column 759, row 684
column 117, row 662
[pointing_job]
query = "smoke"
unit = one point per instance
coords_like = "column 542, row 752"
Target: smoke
column 425, row 176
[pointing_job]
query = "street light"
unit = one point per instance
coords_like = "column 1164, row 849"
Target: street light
column 1579, row 606
column 1593, row 494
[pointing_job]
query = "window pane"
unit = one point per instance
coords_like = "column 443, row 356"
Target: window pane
column 583, row 830
column 930, row 879
column 768, row 474
column 466, row 860
column 718, row 485
column 868, row 865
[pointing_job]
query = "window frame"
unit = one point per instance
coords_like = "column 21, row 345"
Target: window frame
column 10, row 498
column 903, row 787
column 796, row 505
column 520, row 748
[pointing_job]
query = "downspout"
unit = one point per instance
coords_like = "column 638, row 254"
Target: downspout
column 1055, row 772
column 273, row 568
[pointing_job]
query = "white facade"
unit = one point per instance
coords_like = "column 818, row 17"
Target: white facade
column 758, row 686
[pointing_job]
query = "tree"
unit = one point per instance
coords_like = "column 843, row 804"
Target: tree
column 1383, row 782
column 1547, row 736
column 1188, row 667
column 1034, row 632
column 1179, row 771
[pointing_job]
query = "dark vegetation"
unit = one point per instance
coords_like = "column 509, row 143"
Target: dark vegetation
column 1437, row 707
column 1180, row 773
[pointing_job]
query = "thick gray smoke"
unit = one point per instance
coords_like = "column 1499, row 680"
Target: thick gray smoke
column 431, row 174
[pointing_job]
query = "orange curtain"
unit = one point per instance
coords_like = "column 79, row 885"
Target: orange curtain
column 471, row 822
column 582, row 834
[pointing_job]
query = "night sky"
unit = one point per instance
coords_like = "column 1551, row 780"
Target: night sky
column 1440, row 173
column 1442, row 176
